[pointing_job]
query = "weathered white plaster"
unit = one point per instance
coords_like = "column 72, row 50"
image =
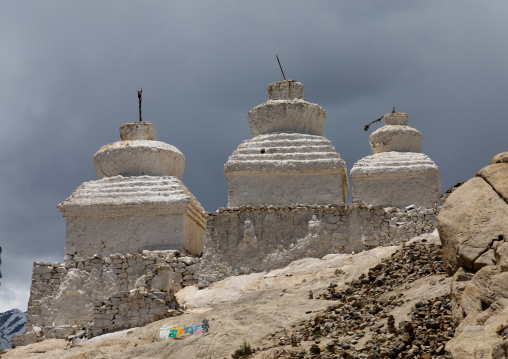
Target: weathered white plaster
column 397, row 174
column 285, row 168
column 286, row 111
column 250, row 239
column 139, row 158
column 286, row 90
column 396, row 138
column 125, row 214
column 138, row 154
column 138, row 131
column 396, row 184
column 288, row 161
column 396, row 118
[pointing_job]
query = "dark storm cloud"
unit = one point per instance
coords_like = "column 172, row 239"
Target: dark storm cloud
column 69, row 74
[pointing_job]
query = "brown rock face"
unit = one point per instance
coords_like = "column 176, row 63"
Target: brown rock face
column 473, row 226
column 500, row 158
column 472, row 219
column 497, row 176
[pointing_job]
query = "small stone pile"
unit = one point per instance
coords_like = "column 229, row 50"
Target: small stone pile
column 360, row 325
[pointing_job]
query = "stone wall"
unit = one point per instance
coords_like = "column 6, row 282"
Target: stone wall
column 133, row 308
column 99, row 294
column 65, row 298
column 249, row 239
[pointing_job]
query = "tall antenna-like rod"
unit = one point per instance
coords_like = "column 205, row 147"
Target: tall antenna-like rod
column 280, row 67
column 140, row 99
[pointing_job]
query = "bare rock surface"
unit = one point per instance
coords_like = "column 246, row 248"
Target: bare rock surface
column 473, row 226
column 497, row 176
column 472, row 218
column 500, row 158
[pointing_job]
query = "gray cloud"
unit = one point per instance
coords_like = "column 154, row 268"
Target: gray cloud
column 69, row 74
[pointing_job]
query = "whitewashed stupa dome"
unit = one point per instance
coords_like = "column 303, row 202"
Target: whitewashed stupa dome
column 396, row 135
column 139, row 201
column 397, row 173
column 138, row 154
column 286, row 111
column 288, row 160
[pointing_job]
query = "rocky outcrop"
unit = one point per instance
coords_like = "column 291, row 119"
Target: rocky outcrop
column 473, row 218
column 12, row 322
column 473, row 226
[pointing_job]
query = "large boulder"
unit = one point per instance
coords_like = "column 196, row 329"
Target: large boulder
column 473, row 227
column 473, row 217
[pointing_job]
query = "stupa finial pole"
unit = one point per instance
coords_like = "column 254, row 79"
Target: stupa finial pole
column 366, row 128
column 280, row 67
column 140, row 98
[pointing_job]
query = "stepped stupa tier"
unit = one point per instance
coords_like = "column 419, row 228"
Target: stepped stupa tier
column 287, row 161
column 138, row 153
column 139, row 201
column 397, row 174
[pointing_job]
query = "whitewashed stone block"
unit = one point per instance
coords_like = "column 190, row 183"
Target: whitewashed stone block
column 127, row 214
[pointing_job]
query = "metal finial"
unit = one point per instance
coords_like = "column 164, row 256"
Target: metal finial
column 367, row 126
column 393, row 111
column 280, row 67
column 140, row 99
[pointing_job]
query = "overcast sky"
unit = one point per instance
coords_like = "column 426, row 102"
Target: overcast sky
column 69, row 73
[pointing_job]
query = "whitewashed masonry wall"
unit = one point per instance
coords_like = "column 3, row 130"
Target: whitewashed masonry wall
column 249, row 239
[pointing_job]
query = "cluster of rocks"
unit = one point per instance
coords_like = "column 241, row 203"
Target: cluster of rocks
column 64, row 297
column 360, row 324
column 473, row 227
column 247, row 239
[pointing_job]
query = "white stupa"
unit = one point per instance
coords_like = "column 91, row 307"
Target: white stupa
column 397, row 174
column 287, row 161
column 139, row 201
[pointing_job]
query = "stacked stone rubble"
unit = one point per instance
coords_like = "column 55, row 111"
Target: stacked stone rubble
column 60, row 293
column 134, row 308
